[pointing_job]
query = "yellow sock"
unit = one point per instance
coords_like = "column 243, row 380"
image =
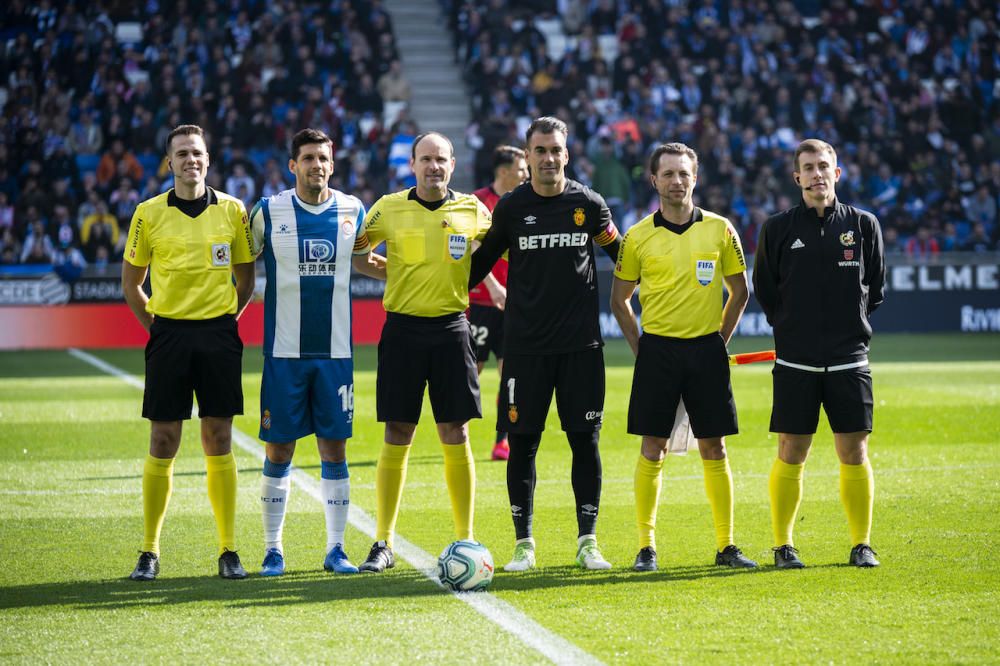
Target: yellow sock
column 719, row 488
column 157, row 483
column 221, row 481
column 785, row 489
column 390, row 475
column 460, row 477
column 648, row 477
column 857, row 492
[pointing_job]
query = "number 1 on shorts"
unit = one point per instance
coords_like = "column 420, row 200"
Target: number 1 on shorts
column 510, row 391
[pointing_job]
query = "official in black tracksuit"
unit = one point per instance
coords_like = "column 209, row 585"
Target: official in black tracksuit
column 818, row 275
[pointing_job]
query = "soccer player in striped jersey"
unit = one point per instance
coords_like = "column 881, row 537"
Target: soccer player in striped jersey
column 307, row 237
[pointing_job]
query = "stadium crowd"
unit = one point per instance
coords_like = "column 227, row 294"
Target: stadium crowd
column 90, row 90
column 908, row 92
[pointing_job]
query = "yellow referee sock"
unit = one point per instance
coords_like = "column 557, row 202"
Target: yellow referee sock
column 785, row 489
column 221, row 481
column 719, row 488
column 460, row 477
column 648, row 479
column 157, row 483
column 390, row 475
column 857, row 493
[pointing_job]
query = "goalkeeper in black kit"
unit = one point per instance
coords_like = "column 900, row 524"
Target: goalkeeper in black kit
column 552, row 337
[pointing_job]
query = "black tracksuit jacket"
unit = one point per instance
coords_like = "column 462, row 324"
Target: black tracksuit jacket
column 818, row 279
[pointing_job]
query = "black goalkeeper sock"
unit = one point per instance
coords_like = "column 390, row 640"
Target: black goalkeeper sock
column 586, row 476
column 521, row 480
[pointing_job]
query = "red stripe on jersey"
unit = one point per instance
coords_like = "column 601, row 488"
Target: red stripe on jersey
column 479, row 294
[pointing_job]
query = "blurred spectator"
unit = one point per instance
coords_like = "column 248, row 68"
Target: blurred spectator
column 981, row 208
column 117, row 162
column 393, row 86
column 100, row 218
column 979, row 241
column 123, row 201
column 611, row 179
column 37, row 245
column 240, row 184
column 922, row 245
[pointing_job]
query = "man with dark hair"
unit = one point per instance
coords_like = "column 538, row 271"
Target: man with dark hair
column 552, row 336
column 307, row 236
column 684, row 255
column 429, row 232
column 194, row 240
column 819, row 273
column 486, row 301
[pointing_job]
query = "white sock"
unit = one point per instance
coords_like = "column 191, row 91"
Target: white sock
column 273, row 499
column 336, row 503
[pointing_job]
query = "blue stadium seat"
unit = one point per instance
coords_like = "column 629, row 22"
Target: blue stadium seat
column 85, row 163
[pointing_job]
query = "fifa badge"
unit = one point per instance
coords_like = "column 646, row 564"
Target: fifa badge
column 512, row 413
column 579, row 217
column 265, row 420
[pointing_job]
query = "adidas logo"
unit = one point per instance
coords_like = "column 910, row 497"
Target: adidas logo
column 797, row 244
column 530, row 219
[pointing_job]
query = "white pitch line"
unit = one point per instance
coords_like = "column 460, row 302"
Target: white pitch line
column 552, row 646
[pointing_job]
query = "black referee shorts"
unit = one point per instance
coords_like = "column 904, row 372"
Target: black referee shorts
column 527, row 384
column 668, row 369
column 846, row 396
column 204, row 357
column 433, row 351
column 486, row 322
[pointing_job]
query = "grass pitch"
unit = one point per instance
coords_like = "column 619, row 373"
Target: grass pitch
column 72, row 444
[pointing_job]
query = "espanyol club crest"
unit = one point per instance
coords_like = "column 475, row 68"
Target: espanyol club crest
column 579, row 217
column 847, row 238
column 265, row 420
column 347, row 227
column 704, row 271
column 457, row 246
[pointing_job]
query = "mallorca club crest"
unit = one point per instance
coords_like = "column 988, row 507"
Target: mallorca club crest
column 512, row 413
column 847, row 238
column 265, row 420
column 579, row 217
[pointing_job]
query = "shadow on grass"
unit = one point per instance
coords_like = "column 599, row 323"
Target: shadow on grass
column 292, row 588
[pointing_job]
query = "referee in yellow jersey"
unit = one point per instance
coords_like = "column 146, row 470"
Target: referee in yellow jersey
column 194, row 240
column 683, row 255
column 429, row 232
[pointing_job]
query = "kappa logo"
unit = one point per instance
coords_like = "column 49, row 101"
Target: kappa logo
column 283, row 229
column 798, row 244
column 530, row 219
column 847, row 238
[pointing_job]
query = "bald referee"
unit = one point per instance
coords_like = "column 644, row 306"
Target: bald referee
column 429, row 232
column 683, row 256
column 194, row 241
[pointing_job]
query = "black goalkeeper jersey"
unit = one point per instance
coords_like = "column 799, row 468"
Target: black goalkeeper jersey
column 552, row 298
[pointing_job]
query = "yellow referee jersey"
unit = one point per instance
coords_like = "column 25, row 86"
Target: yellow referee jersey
column 427, row 251
column 190, row 258
column 681, row 271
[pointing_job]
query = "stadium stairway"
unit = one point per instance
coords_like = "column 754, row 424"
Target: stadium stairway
column 439, row 100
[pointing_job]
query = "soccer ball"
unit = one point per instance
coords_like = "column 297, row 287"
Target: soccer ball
column 465, row 566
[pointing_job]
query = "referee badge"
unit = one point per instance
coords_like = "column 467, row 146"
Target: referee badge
column 220, row 254
column 579, row 217
column 457, row 246
column 512, row 413
column 704, row 271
